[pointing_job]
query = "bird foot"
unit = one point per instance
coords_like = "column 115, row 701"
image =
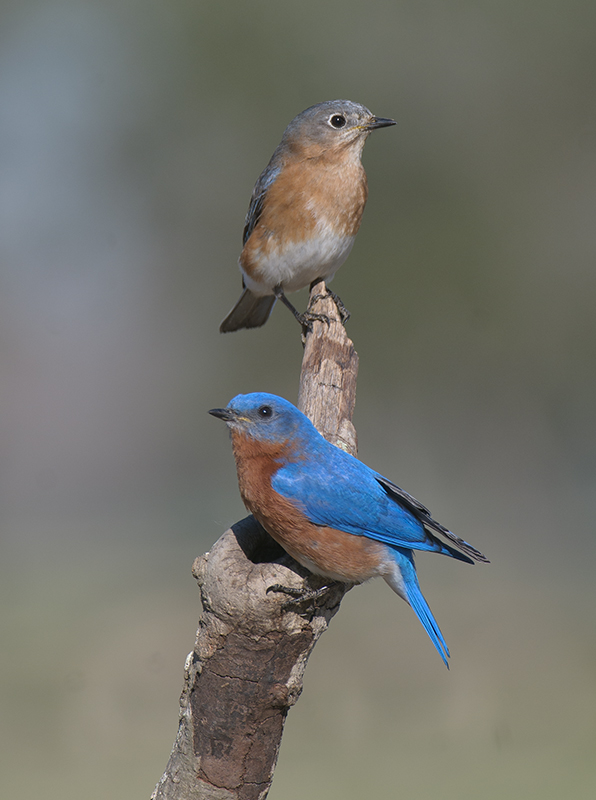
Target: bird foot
column 343, row 312
column 299, row 596
column 308, row 317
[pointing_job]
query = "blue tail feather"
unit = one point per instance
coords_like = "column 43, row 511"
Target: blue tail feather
column 424, row 614
column 407, row 586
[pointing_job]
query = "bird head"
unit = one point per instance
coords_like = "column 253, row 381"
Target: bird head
column 332, row 124
column 265, row 417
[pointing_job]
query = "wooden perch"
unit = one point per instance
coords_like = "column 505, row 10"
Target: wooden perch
column 248, row 662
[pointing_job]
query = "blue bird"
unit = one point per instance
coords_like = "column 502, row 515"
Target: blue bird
column 329, row 511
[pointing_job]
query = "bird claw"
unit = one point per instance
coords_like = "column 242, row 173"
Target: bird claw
column 307, row 319
column 344, row 314
column 298, row 596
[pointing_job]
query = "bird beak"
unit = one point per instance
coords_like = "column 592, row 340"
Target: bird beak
column 380, row 122
column 224, row 413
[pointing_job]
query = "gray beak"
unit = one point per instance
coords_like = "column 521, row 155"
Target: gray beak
column 223, row 413
column 381, row 122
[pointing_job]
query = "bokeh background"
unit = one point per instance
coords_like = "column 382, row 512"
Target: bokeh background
column 131, row 135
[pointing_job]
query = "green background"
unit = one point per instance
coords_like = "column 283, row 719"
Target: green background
column 131, row 136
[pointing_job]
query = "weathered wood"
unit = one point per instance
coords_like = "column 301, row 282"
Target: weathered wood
column 329, row 373
column 250, row 654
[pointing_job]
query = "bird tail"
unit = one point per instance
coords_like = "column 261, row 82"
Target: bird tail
column 404, row 581
column 249, row 312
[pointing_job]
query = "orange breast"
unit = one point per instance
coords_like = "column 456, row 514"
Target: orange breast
column 311, row 198
column 325, row 551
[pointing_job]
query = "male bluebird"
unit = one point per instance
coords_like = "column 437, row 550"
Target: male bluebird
column 329, row 511
column 305, row 209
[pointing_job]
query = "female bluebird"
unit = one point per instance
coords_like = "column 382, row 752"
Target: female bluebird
column 333, row 514
column 305, row 209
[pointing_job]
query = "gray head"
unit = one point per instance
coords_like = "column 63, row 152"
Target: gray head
column 334, row 122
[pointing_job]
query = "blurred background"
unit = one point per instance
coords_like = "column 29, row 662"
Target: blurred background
column 131, row 136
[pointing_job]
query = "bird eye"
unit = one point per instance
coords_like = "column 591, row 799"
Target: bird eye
column 265, row 411
column 337, row 121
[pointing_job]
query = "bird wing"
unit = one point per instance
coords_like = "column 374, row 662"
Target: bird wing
column 340, row 492
column 255, row 208
column 423, row 515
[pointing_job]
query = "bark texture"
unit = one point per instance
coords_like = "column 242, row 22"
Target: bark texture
column 248, row 662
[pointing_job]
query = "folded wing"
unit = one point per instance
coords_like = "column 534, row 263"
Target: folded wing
column 338, row 491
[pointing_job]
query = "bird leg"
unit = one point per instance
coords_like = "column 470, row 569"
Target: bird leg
column 306, row 319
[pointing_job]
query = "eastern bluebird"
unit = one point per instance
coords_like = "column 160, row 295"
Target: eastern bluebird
column 305, row 209
column 329, row 511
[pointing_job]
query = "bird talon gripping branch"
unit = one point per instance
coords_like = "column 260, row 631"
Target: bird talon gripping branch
column 308, row 317
column 299, row 596
column 343, row 312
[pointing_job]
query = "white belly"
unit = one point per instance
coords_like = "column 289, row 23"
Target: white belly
column 299, row 263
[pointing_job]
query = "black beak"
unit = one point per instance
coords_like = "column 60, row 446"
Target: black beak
column 381, row 122
column 223, row 413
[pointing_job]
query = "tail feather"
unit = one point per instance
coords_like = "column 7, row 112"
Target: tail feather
column 249, row 312
column 403, row 580
column 424, row 614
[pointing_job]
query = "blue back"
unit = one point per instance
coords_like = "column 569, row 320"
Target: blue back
column 335, row 489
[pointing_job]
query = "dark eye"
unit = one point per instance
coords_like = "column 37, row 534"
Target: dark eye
column 265, row 411
column 337, row 121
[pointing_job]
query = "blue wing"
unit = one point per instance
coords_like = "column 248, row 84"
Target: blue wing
column 338, row 491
